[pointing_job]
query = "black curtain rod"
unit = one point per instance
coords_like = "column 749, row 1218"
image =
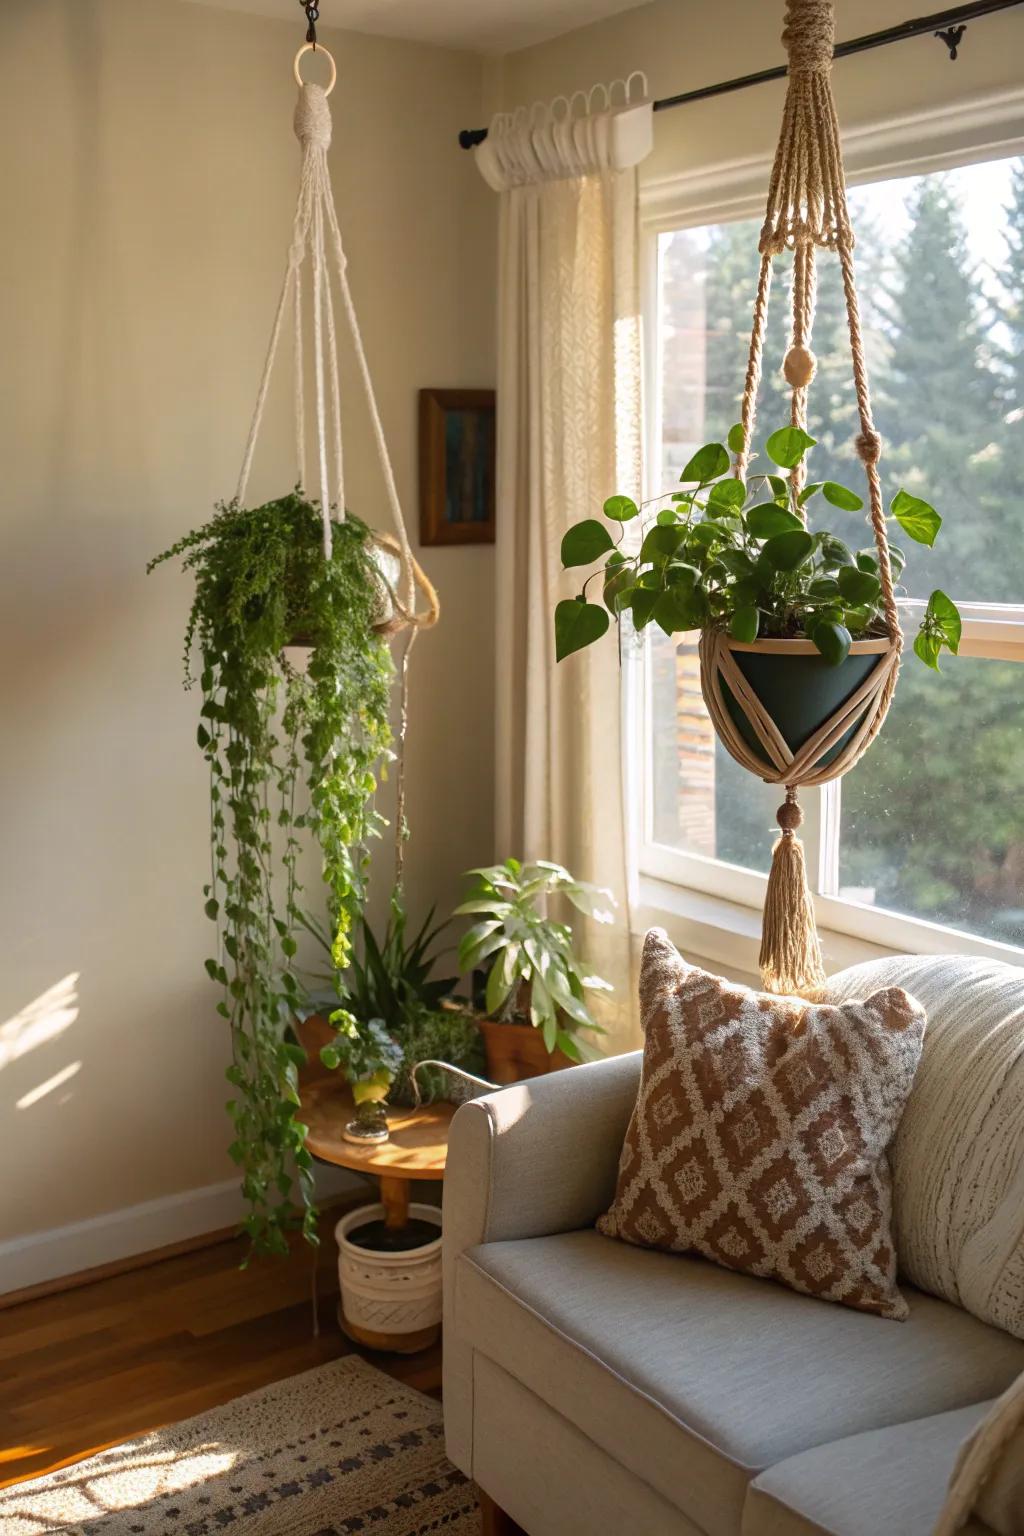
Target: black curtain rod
column 948, row 25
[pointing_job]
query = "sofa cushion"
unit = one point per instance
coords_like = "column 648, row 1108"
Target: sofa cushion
column 887, row 1480
column 761, row 1128
column 696, row 1378
column 958, row 1158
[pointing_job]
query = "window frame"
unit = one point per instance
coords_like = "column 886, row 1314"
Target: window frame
column 709, row 905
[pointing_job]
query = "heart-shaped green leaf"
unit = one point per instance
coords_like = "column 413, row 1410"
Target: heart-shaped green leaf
column 680, row 573
column 787, row 446
column 737, row 438
column 585, row 542
column 766, row 521
column 706, row 534
column 642, row 603
column 834, row 551
column 744, row 624
column 707, row 464
column 833, row 641
column 577, row 623
column 679, row 609
column 662, row 542
column 736, row 561
column 841, row 497
column 726, row 496
column 617, row 589
column 918, row 520
column 785, row 551
column 946, row 615
column 620, row 508
column 780, row 490
column 858, row 586
column 927, row 647
column 867, row 560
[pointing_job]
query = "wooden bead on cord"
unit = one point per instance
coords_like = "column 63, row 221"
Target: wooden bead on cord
column 799, row 367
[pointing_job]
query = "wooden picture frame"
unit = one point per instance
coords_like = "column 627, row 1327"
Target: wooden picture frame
column 457, row 431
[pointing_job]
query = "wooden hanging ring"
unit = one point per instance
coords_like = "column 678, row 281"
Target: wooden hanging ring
column 316, row 48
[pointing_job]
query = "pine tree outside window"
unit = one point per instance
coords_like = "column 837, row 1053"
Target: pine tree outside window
column 930, row 825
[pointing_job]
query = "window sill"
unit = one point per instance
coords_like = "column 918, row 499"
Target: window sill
column 728, row 933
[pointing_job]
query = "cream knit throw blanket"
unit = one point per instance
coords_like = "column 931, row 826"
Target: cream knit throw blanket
column 958, row 1158
column 958, row 1183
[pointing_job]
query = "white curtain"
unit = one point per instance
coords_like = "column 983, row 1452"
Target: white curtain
column 569, row 436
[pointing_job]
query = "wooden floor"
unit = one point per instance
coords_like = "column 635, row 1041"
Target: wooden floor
column 90, row 1367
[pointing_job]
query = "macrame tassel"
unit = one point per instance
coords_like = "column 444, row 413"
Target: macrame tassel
column 790, row 958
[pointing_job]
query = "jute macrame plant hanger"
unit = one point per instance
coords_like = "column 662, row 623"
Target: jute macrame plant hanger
column 316, row 245
column 807, row 209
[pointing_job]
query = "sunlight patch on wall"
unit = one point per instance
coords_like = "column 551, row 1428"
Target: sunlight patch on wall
column 48, row 1016
column 35, row 1094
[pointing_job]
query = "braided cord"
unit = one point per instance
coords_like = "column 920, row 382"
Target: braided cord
column 807, row 208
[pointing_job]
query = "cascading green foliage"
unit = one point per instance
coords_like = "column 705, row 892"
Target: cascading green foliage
column 290, row 753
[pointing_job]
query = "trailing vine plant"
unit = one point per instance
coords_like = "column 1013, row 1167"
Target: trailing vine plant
column 290, row 752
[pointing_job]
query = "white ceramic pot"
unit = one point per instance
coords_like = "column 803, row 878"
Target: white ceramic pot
column 389, row 1293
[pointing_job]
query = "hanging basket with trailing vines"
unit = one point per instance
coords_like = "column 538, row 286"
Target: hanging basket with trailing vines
column 295, row 745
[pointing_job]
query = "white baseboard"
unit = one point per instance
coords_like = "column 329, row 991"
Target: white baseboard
column 42, row 1256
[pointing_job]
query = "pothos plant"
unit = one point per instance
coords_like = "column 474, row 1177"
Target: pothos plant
column 534, row 975
column 292, row 754
column 736, row 554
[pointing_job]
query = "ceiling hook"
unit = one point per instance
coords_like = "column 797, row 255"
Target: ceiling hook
column 952, row 37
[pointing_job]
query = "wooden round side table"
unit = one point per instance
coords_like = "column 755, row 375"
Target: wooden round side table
column 416, row 1149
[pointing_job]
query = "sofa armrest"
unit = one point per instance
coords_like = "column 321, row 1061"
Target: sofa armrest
column 535, row 1158
column 538, row 1157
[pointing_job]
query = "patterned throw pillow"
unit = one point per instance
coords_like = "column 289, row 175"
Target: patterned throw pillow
column 760, row 1131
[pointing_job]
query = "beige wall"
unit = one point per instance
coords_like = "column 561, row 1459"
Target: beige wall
column 147, row 174
column 684, row 44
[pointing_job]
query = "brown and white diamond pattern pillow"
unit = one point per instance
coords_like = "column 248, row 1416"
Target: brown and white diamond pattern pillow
column 760, row 1131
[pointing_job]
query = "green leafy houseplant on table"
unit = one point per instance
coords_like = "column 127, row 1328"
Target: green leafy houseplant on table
column 736, row 555
column 290, row 753
column 392, row 1012
column 534, row 975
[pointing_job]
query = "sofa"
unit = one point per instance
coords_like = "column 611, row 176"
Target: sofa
column 591, row 1386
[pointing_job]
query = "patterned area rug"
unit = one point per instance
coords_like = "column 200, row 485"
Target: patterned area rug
column 338, row 1451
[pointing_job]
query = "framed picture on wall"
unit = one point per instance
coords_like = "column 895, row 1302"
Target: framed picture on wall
column 456, row 466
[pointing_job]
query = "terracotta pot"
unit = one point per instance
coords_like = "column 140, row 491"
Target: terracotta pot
column 798, row 688
column 517, row 1051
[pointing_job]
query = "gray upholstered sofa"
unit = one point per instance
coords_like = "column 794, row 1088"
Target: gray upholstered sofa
column 595, row 1387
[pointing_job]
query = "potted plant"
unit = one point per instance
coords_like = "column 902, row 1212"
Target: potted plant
column 369, row 1058
column 292, row 753
column 389, row 992
column 800, row 612
column 535, row 990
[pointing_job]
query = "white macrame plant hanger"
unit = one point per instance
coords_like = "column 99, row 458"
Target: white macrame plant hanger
column 316, row 242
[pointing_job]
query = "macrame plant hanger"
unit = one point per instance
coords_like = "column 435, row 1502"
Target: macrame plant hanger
column 807, row 209
column 317, row 244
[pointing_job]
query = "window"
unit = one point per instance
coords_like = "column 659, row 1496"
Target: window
column 930, row 824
